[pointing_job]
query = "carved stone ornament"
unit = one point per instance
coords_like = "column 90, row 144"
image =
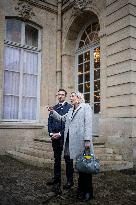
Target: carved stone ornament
column 24, row 9
column 81, row 4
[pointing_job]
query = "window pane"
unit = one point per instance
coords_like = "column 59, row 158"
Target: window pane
column 87, row 66
column 97, row 85
column 97, row 64
column 80, row 69
column 30, row 63
column 11, row 83
column 87, row 87
column 87, row 56
column 82, row 43
column 31, row 36
column 80, row 59
column 87, row 41
column 13, row 30
column 29, row 85
column 87, row 97
column 10, row 107
column 96, row 107
column 80, row 79
column 29, row 107
column 87, row 77
column 96, row 55
column 12, row 59
column 80, row 88
column 96, row 74
column 83, row 36
column 96, row 96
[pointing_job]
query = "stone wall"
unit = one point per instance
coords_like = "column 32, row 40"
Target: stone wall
column 118, row 124
column 17, row 133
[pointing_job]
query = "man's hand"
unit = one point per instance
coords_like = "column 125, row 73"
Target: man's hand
column 55, row 136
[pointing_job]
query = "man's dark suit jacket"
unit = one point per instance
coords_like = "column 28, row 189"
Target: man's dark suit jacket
column 55, row 126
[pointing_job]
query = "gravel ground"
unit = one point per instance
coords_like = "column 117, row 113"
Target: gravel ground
column 21, row 184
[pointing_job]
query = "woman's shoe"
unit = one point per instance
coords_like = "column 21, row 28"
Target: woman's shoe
column 87, row 196
column 68, row 185
column 80, row 195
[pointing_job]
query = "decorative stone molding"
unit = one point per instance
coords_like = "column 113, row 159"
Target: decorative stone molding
column 24, row 9
column 81, row 4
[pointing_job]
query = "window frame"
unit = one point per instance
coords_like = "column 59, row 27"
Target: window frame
column 90, row 47
column 23, row 47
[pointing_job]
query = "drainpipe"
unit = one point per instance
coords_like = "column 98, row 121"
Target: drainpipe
column 59, row 47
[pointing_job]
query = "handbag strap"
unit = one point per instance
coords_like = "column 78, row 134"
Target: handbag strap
column 92, row 150
column 91, row 147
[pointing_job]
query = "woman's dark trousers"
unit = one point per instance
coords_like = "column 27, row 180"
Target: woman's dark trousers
column 85, row 183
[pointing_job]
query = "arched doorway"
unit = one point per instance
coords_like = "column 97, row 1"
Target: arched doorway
column 88, row 69
column 81, row 61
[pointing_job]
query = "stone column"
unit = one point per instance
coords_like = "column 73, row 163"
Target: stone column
column 103, row 72
column 59, row 47
column 2, row 31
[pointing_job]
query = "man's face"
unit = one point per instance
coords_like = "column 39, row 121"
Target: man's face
column 61, row 96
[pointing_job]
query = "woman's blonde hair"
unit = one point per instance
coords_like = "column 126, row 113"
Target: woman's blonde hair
column 80, row 96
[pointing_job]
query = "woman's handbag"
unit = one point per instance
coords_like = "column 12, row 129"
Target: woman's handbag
column 87, row 164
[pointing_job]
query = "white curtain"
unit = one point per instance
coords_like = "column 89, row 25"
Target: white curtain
column 13, row 96
column 30, row 73
column 11, row 83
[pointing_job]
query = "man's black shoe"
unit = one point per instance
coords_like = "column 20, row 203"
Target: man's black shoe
column 52, row 182
column 56, row 189
column 68, row 185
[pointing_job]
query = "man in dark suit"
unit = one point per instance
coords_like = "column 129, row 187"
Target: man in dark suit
column 56, row 132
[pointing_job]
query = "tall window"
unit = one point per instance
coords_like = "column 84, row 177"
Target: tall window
column 89, row 66
column 21, row 60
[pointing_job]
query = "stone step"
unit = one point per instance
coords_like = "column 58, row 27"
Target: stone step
column 115, row 165
column 41, row 146
column 44, row 146
column 41, row 162
column 37, row 153
column 102, row 150
column 49, row 154
column 31, row 160
column 109, row 157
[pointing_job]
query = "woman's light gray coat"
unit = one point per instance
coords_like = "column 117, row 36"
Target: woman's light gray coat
column 79, row 125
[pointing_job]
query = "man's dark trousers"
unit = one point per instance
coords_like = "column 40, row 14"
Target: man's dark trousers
column 57, row 144
column 57, row 148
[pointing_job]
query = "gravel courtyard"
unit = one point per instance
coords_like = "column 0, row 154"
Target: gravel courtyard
column 21, row 184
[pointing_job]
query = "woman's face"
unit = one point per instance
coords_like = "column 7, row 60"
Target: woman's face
column 74, row 99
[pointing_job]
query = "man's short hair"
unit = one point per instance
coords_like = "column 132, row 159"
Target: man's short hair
column 61, row 89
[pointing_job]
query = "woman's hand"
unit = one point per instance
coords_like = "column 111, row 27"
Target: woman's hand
column 87, row 143
column 50, row 109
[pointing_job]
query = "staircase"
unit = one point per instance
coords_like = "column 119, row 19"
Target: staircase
column 40, row 154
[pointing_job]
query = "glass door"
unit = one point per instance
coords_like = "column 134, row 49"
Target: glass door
column 89, row 81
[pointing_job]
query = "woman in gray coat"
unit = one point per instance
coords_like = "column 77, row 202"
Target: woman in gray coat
column 78, row 137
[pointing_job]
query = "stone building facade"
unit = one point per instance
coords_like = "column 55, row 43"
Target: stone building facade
column 88, row 46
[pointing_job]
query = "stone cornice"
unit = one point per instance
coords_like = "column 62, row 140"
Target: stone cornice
column 43, row 5
column 67, row 5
